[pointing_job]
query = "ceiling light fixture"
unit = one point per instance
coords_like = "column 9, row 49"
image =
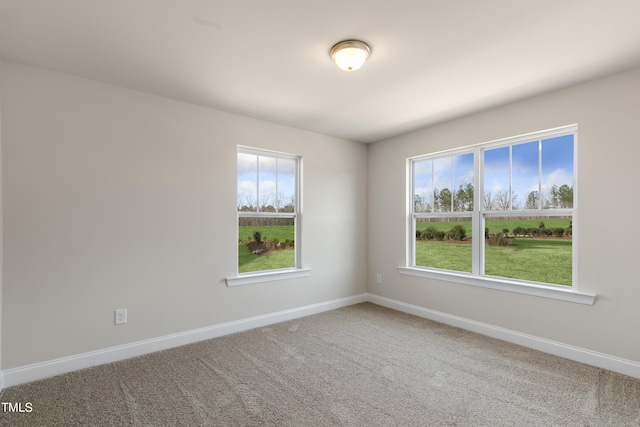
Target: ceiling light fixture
column 349, row 55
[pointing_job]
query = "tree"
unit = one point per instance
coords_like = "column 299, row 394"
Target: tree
column 469, row 190
column 533, row 200
column 421, row 204
column 266, row 203
column 502, row 201
column 247, row 203
column 489, row 204
column 505, row 202
column 444, row 198
column 561, row 197
column 463, row 200
column 565, row 196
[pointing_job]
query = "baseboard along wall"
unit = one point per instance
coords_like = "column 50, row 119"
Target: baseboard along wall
column 37, row 371
column 577, row 354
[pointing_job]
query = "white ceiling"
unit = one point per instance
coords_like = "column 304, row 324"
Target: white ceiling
column 431, row 60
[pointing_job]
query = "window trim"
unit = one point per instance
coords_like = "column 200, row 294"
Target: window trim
column 479, row 214
column 526, row 288
column 267, row 276
column 297, row 270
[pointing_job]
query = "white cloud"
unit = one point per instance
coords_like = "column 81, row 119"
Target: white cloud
column 246, row 162
column 558, row 177
column 247, row 188
column 267, row 187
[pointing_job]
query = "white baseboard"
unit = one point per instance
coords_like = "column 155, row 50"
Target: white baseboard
column 37, row 371
column 600, row 360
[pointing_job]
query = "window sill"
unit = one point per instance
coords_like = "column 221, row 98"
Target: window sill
column 503, row 285
column 267, row 276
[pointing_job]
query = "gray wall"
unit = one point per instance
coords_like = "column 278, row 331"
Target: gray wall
column 115, row 198
column 607, row 112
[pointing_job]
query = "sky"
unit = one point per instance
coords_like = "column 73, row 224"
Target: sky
column 263, row 176
column 556, row 160
column 527, row 174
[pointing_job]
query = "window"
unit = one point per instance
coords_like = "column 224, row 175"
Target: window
column 502, row 211
column 443, row 203
column 268, row 211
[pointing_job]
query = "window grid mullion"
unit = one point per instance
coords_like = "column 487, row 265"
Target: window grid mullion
column 477, row 248
column 540, row 174
column 511, row 177
column 257, row 183
column 453, row 186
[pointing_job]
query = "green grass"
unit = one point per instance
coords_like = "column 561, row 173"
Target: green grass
column 248, row 262
column 269, row 232
column 538, row 260
column 448, row 256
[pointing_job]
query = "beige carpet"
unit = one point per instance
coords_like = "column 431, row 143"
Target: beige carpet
column 362, row 365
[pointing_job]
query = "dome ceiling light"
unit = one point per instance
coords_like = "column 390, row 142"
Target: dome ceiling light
column 349, row 55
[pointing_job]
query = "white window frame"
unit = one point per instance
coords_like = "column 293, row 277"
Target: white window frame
column 283, row 273
column 479, row 215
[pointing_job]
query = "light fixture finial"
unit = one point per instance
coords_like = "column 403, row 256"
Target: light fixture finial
column 349, row 55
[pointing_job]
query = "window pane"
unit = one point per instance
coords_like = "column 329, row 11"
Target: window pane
column 443, row 243
column 496, row 179
column 267, row 183
column 285, row 195
column 247, row 179
column 557, row 172
column 525, row 174
column 442, row 184
column 265, row 243
column 463, row 178
column 537, row 249
column 423, row 186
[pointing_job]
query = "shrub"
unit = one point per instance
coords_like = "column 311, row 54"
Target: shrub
column 429, row 233
column 541, row 225
column 257, row 236
column 519, row 231
column 458, row 232
column 498, row 240
column 505, row 231
column 558, row 232
column 440, row 235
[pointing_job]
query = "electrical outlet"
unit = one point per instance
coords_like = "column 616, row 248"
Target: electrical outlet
column 121, row 316
column 379, row 278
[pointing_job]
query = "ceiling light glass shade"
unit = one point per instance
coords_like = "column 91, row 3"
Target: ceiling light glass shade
column 349, row 55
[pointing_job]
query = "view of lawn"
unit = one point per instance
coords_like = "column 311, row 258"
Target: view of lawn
column 546, row 259
column 538, row 260
column 269, row 260
column 267, row 232
column 248, row 262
